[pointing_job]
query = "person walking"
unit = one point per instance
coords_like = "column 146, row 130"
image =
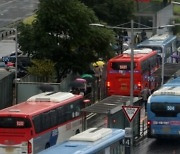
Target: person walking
column 145, row 93
column 143, row 35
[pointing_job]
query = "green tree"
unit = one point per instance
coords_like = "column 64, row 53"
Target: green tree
column 61, row 33
column 113, row 12
column 44, row 69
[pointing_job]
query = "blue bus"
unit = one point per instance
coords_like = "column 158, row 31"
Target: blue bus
column 163, row 111
column 91, row 141
column 174, row 81
column 163, row 44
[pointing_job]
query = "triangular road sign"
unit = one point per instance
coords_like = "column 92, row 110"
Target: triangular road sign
column 130, row 111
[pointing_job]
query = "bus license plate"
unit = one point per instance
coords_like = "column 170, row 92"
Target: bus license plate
column 123, row 87
column 166, row 129
column 9, row 149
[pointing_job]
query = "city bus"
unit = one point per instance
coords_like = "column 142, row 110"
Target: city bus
column 163, row 111
column 92, row 141
column 162, row 43
column 40, row 122
column 146, row 62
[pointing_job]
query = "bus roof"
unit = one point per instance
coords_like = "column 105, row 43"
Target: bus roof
column 168, row 90
column 173, row 82
column 157, row 40
column 51, row 97
column 88, row 141
column 40, row 102
column 139, row 51
column 139, row 54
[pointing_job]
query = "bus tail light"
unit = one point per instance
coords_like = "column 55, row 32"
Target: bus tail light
column 108, row 84
column 148, row 123
column 139, row 85
column 29, row 148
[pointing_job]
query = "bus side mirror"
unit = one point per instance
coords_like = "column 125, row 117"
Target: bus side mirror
column 86, row 102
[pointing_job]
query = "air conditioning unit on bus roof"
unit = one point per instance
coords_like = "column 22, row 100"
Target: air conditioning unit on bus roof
column 50, row 97
column 92, row 134
column 159, row 37
column 139, row 51
column 172, row 90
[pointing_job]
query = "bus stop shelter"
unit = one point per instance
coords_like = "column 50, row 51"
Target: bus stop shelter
column 109, row 113
column 170, row 69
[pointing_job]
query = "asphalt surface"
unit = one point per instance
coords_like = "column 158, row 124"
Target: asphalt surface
column 14, row 10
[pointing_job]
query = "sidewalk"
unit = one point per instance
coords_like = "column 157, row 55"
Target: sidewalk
column 7, row 45
column 143, row 125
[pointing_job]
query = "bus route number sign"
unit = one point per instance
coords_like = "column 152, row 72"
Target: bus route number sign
column 130, row 111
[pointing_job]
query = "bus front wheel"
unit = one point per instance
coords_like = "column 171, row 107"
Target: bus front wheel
column 77, row 131
column 47, row 145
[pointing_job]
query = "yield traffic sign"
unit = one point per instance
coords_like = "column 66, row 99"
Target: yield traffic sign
column 130, row 111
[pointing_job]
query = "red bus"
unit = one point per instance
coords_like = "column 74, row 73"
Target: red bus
column 40, row 122
column 146, row 62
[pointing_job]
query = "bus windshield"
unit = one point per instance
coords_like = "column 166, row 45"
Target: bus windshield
column 14, row 122
column 165, row 109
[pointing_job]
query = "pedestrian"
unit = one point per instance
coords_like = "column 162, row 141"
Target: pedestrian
column 143, row 35
column 145, row 93
column 125, row 33
column 137, row 39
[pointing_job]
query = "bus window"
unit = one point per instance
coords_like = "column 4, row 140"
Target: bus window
column 60, row 115
column 165, row 109
column 37, row 123
column 53, row 117
column 14, row 122
column 45, row 120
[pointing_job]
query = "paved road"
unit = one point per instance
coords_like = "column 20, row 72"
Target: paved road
column 14, row 10
column 6, row 47
column 10, row 12
column 154, row 146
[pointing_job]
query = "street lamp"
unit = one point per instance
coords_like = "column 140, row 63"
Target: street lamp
column 132, row 67
column 16, row 55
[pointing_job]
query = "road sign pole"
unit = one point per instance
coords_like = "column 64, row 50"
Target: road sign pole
column 128, row 140
column 130, row 112
column 132, row 74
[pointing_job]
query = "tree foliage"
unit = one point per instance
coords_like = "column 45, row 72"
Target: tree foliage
column 114, row 12
column 43, row 68
column 61, row 33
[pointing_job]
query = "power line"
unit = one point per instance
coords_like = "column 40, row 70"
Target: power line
column 145, row 28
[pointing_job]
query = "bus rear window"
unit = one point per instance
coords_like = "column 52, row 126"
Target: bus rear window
column 165, row 109
column 14, row 122
column 121, row 65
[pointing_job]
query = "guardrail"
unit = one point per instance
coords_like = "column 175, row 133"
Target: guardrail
column 5, row 33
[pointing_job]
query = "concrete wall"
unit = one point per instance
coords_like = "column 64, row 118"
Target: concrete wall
column 26, row 89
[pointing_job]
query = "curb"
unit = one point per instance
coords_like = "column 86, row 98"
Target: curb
column 139, row 139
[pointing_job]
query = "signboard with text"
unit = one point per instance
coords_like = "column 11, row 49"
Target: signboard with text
column 130, row 111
